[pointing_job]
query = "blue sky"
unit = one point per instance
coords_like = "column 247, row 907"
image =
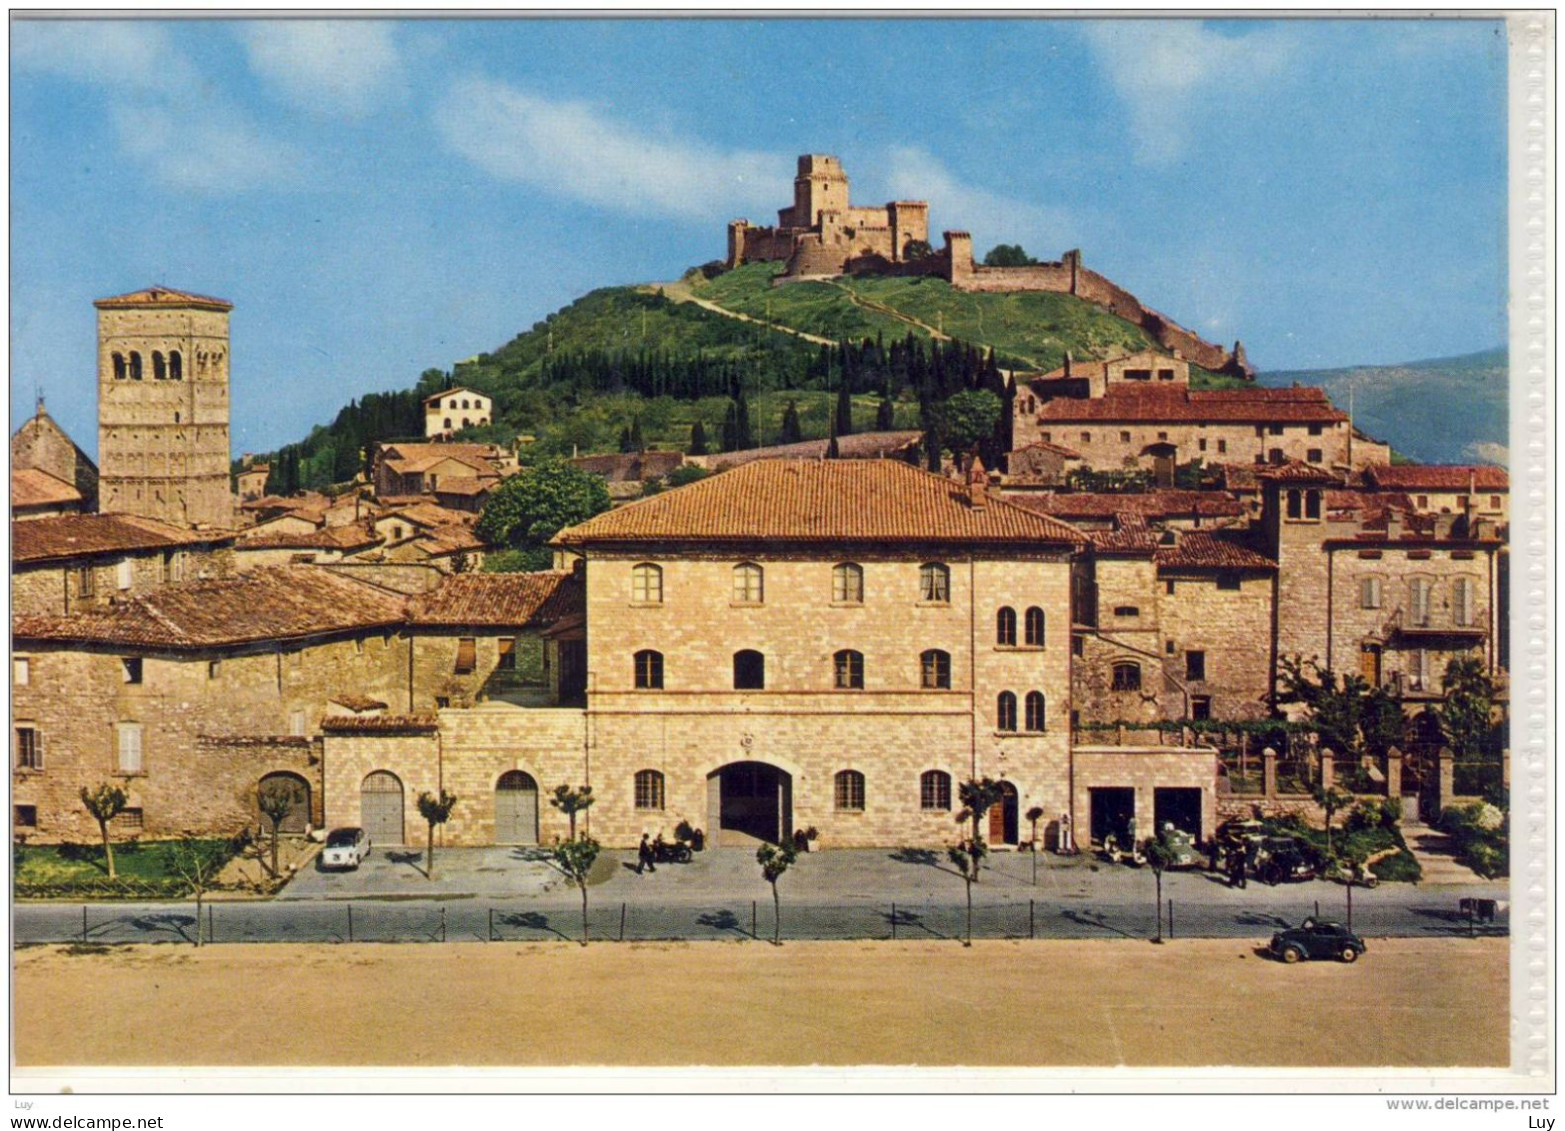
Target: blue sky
column 377, row 198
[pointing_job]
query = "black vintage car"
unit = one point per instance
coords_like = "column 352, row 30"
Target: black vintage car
column 1316, row 939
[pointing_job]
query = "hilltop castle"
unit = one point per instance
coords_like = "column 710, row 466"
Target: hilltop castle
column 821, row 234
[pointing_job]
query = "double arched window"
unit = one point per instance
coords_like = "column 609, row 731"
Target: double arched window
column 934, row 583
column 849, row 669
column 749, row 584
column 1005, row 627
column 934, row 791
column 1034, row 718
column 749, row 670
column 649, row 789
column 935, row 668
column 649, row 670
column 1005, row 711
column 849, row 791
column 1034, row 627
column 847, row 584
column 646, row 584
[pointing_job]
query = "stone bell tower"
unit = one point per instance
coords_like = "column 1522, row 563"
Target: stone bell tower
column 163, row 407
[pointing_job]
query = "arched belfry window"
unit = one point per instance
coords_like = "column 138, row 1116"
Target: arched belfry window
column 119, row 367
column 159, row 366
column 135, row 365
column 176, row 366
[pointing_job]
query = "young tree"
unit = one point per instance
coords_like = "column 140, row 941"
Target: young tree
column 435, row 811
column 575, row 857
column 572, row 801
column 1034, row 815
column 531, row 507
column 968, row 856
column 689, row 473
column 978, row 796
column 275, row 800
column 1331, row 801
column 1160, row 855
column 105, row 803
column 198, row 865
column 774, row 860
column 790, row 432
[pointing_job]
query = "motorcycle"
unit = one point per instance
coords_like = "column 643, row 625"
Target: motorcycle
column 665, row 853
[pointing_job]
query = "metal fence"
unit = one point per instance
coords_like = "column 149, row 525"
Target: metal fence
column 475, row 921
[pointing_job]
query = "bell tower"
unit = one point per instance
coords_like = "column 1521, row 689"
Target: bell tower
column 163, row 407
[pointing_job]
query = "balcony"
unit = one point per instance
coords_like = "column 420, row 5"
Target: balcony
column 1436, row 622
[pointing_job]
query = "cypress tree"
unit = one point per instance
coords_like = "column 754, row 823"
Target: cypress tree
column 885, row 415
column 844, row 420
column 624, row 440
column 637, row 442
column 731, row 428
column 697, row 439
column 790, row 432
column 743, row 437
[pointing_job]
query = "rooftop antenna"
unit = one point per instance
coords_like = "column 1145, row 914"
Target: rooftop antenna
column 38, row 393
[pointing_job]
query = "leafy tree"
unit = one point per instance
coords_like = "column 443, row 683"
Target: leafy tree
column 1381, row 721
column 275, row 800
column 1331, row 802
column 105, row 803
column 195, row 862
column 1336, row 710
column 914, row 250
column 968, row 856
column 969, row 417
column 1466, row 713
column 435, row 811
column 978, row 796
column 1008, row 255
column 698, row 439
column 572, row 801
column 774, row 860
column 575, row 857
column 1160, row 855
column 688, row 473
column 531, row 507
column 790, row 432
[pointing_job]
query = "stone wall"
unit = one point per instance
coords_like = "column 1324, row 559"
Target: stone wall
column 1110, row 445
column 54, row 588
column 1232, row 627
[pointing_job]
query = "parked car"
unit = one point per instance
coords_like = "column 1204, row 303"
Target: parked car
column 1283, row 860
column 345, row 849
column 1183, row 846
column 1316, row 939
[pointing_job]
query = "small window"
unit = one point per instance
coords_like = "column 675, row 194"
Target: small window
column 934, row 583
column 1369, row 593
column 122, row 574
column 1276, row 457
column 1005, row 627
column 442, row 702
column 849, row 669
column 506, row 659
column 1315, row 455
column 130, row 748
column 646, row 584
column 169, row 573
column 936, row 667
column 1461, row 555
column 1315, row 429
column 1005, row 711
column 159, row 366
column 1127, row 676
column 1035, row 718
column 24, row 816
column 1086, row 437
column 29, row 751
column 649, row 789
column 1274, row 429
column 1165, row 374
column 1127, row 611
column 130, row 669
column 1168, row 586
column 649, row 670
column 1162, row 437
column 1312, row 504
column 934, row 791
column 129, row 819
column 748, row 584
column 466, row 655
column 85, row 583
column 1168, row 648
column 850, row 791
column 1201, row 445
column 1295, row 504
column 21, row 671
column 1138, row 374
column 847, row 584
column 135, row 366
column 749, row 670
column 176, row 366
column 1494, row 502
column 1200, row 707
column 119, row 367
column 1227, row 579
column 213, row 668
column 1078, row 646
column 1423, row 502
column 1195, row 665
column 1222, row 445
column 1124, row 437
column 1035, row 637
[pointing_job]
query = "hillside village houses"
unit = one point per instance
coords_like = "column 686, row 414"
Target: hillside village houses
column 792, row 642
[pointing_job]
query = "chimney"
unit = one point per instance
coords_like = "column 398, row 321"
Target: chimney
column 1067, row 363
column 977, row 484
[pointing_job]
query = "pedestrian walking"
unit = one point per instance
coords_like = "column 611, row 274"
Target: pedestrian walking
column 1236, row 877
column 644, row 861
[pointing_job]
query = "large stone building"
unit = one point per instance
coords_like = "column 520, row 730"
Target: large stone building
column 163, row 407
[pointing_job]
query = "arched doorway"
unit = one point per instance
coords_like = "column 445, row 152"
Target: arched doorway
column 380, row 807
column 1165, row 458
column 1004, row 819
column 516, row 808
column 748, row 801
column 299, row 805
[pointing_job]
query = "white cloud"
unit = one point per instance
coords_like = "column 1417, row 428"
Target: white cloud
column 572, row 149
column 1164, row 71
column 915, row 174
column 124, row 54
column 1488, row 452
column 330, row 67
column 208, row 151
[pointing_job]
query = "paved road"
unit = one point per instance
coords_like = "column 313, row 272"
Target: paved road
column 503, row 894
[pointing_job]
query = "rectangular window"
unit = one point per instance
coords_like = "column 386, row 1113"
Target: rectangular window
column 1086, row 437
column 1295, row 504
column 1162, row 437
column 29, row 751
column 1168, row 586
column 168, row 566
column 1201, row 445
column 1315, row 455
column 1462, row 601
column 129, row 819
column 507, row 659
column 1200, row 706
column 1369, row 593
column 442, row 703
column 1314, row 429
column 1222, row 445
column 296, row 724
column 1078, row 646
column 466, row 655
column 130, row 669
column 934, row 791
column 1312, row 504
column 1419, row 592
column 85, row 583
column 1461, row 555
column 1124, row 437
column 1494, row 502
column 1195, row 665
column 1138, row 374
column 24, row 816
column 122, row 574
column 1165, row 374
column 213, row 667
column 1370, row 555
column 1227, row 579
column 1423, row 502
column 850, row 791
column 1274, row 429
column 1275, row 457
column 130, row 748
column 1127, row 611
column 21, row 671
column 1419, row 555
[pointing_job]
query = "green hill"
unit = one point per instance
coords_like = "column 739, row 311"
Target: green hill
column 1443, row 410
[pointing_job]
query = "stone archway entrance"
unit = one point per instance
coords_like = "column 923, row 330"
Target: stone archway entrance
column 1004, row 818
column 747, row 802
column 1165, row 458
column 380, row 807
column 516, row 808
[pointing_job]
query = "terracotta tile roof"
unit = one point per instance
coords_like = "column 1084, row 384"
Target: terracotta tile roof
column 1131, row 535
column 1202, row 549
column 511, row 600
column 162, row 296
column 1295, row 471
column 831, row 501
column 347, row 538
column 622, row 467
column 33, row 488
column 433, row 397
column 1150, row 504
column 430, row 515
column 358, row 702
column 1434, row 477
column 465, row 484
column 287, row 503
column 411, row 458
column 861, row 445
column 1238, row 476
column 380, row 724
column 1178, row 405
column 450, row 540
column 275, row 603
column 63, row 537
column 1044, row 445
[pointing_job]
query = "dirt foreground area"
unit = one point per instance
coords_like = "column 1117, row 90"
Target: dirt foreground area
column 1407, row 1003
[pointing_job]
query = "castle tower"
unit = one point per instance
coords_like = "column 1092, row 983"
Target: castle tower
column 821, row 186
column 163, row 407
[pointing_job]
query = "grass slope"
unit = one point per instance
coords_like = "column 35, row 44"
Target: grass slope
column 1443, row 410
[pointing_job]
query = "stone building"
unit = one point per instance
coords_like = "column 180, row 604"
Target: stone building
column 41, row 445
column 1478, row 491
column 402, row 470
column 163, row 407
column 451, row 411
column 37, row 494
column 69, row 563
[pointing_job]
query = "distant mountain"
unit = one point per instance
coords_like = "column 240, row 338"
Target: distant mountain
column 1444, row 410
